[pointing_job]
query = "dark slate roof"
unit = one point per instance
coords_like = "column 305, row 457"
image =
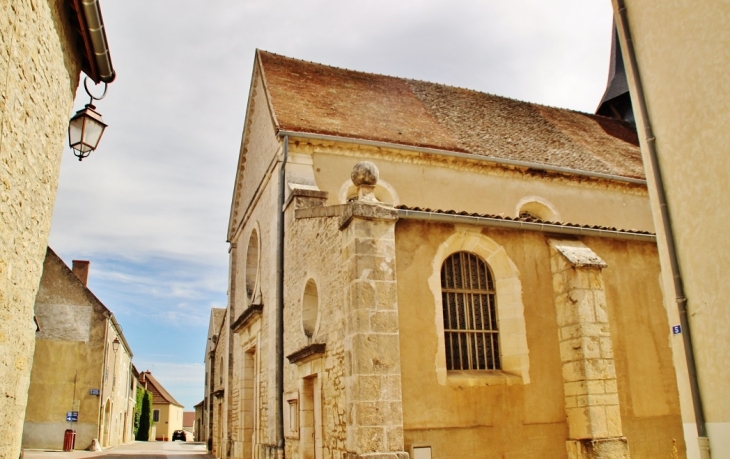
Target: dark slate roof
column 314, row 98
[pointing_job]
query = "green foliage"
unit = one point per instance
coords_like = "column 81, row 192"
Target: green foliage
column 145, row 419
column 138, row 410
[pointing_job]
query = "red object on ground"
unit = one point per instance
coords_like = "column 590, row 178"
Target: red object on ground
column 69, row 440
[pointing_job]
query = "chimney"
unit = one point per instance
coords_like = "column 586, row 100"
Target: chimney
column 81, row 269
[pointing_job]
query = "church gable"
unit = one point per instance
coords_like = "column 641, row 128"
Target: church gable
column 259, row 146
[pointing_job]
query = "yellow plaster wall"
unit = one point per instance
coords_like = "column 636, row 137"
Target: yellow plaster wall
column 461, row 420
column 170, row 421
column 479, row 186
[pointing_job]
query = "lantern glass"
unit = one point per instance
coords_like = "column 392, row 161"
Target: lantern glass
column 85, row 130
column 115, row 344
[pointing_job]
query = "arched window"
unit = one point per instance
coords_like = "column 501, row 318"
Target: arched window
column 470, row 313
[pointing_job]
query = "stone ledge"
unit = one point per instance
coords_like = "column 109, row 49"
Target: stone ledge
column 307, row 353
column 603, row 448
column 246, row 316
column 305, row 198
column 366, row 211
column 481, row 378
column 393, row 455
column 319, row 212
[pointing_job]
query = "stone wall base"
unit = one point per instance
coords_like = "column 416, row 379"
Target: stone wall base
column 605, row 448
column 393, row 455
column 270, row 452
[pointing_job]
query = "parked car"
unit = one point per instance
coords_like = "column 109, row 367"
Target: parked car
column 179, row 435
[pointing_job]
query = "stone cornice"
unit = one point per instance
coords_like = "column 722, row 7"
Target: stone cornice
column 307, row 353
column 247, row 316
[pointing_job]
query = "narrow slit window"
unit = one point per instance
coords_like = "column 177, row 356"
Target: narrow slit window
column 470, row 315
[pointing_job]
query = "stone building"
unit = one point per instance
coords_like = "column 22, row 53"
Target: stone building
column 43, row 47
column 82, row 363
column 213, row 390
column 424, row 271
column 676, row 60
column 167, row 413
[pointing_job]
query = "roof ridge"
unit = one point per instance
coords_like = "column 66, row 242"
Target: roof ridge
column 362, row 72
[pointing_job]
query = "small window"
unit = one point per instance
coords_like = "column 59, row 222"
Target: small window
column 252, row 264
column 291, row 415
column 156, row 415
column 310, row 308
column 470, row 314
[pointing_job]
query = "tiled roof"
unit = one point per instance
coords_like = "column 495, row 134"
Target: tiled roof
column 217, row 316
column 526, row 219
column 314, row 98
column 188, row 418
column 160, row 395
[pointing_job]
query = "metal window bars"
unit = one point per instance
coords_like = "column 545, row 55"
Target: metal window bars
column 470, row 314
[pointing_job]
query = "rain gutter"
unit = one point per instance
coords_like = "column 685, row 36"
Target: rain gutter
column 94, row 36
column 280, row 299
column 438, row 217
column 680, row 297
column 437, row 151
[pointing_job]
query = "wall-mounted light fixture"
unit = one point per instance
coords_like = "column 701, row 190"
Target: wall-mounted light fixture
column 86, row 127
column 115, row 344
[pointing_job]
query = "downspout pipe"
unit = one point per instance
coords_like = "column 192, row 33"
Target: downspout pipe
column 680, row 297
column 280, row 303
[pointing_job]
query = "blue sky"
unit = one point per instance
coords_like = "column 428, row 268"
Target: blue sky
column 150, row 208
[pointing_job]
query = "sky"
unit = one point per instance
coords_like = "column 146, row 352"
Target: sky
column 150, row 207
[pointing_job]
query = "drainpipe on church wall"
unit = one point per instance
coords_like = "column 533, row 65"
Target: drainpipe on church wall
column 280, row 303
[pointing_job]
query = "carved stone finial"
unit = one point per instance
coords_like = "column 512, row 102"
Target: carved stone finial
column 364, row 173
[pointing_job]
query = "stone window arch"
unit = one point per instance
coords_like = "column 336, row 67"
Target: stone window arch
column 514, row 363
column 471, row 334
column 537, row 207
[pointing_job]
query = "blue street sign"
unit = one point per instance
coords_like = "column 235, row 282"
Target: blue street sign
column 94, row 392
column 72, row 416
column 677, row 329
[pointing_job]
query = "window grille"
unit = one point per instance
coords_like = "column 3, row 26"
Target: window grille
column 470, row 314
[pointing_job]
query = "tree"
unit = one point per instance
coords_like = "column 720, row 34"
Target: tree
column 138, row 410
column 145, row 418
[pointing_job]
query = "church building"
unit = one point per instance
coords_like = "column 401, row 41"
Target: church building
column 429, row 272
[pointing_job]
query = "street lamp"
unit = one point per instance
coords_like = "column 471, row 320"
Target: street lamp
column 86, row 127
column 115, row 345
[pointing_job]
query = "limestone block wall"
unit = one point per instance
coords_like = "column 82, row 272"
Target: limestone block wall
column 314, row 253
column 38, row 76
column 218, row 386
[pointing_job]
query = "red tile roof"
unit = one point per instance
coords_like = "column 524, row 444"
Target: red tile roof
column 314, row 98
column 160, row 395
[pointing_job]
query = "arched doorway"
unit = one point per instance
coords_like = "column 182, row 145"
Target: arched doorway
column 106, row 423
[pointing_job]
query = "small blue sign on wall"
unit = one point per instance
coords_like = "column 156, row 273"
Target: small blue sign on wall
column 72, row 416
column 94, row 392
column 677, row 329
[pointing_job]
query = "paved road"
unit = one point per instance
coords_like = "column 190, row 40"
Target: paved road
column 136, row 450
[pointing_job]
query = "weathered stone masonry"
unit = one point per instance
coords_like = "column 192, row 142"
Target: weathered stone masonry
column 38, row 77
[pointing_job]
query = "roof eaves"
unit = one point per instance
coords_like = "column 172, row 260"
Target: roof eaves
column 461, row 154
column 521, row 223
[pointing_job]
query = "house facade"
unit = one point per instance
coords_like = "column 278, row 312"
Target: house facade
column 167, row 413
column 82, row 363
column 36, row 97
column 424, row 271
column 676, row 62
